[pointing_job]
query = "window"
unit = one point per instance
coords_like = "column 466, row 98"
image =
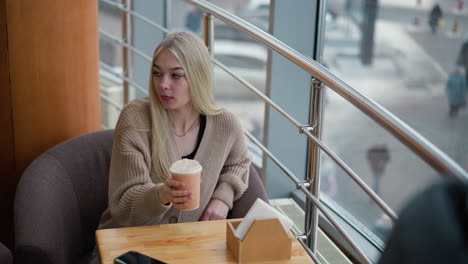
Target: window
column 389, row 53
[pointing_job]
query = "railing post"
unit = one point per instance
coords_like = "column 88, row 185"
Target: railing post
column 167, row 16
column 125, row 38
column 311, row 221
column 208, row 32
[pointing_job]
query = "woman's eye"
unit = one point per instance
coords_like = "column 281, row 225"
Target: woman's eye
column 157, row 74
column 176, row 76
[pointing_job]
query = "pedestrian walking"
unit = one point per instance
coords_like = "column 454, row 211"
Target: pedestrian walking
column 460, row 5
column 463, row 56
column 456, row 90
column 378, row 157
column 435, row 17
column 193, row 19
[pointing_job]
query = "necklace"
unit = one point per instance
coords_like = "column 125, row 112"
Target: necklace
column 185, row 132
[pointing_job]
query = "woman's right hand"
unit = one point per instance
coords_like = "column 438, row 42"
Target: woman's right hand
column 168, row 193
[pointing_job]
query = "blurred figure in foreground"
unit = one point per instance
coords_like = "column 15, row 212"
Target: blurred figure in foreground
column 432, row 227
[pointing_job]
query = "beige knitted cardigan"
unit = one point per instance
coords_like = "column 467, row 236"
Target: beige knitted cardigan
column 133, row 195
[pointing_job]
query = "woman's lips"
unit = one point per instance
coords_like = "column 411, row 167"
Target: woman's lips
column 166, row 98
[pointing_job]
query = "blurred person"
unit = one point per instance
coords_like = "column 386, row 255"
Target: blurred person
column 460, row 5
column 328, row 184
column 348, row 6
column 432, row 227
column 239, row 5
column 456, row 90
column 378, row 156
column 333, row 11
column 435, row 17
column 179, row 119
column 463, row 56
column 193, row 19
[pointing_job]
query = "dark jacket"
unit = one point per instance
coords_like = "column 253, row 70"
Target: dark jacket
column 463, row 56
column 432, row 228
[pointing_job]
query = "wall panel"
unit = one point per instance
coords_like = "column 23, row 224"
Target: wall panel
column 7, row 157
column 53, row 72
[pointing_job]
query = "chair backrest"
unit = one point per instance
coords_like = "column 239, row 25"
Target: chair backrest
column 62, row 194
column 59, row 200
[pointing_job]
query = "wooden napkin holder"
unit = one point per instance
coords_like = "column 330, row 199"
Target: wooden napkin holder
column 265, row 240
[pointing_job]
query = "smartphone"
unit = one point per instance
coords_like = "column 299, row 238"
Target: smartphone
column 133, row 257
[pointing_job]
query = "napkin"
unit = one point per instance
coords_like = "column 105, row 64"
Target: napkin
column 261, row 210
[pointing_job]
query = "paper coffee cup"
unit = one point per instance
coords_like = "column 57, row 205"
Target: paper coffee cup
column 189, row 172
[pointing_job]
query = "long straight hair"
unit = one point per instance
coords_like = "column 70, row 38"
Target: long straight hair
column 194, row 58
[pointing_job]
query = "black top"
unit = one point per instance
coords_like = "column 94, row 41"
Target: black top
column 201, row 131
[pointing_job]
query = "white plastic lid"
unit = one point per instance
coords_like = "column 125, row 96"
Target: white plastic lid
column 185, row 166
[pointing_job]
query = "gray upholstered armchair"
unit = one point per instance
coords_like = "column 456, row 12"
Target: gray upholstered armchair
column 62, row 194
column 5, row 255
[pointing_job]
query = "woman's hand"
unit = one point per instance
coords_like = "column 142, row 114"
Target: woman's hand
column 169, row 194
column 216, row 210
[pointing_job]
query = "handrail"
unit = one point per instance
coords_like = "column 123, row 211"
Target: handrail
column 257, row 92
column 307, row 249
column 304, row 188
column 110, row 101
column 121, row 43
column 121, row 76
column 412, row 139
column 322, row 146
column 143, row 18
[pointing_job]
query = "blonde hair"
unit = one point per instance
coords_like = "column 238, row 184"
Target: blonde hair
column 194, row 58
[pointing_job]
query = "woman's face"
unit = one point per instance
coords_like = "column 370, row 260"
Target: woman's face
column 170, row 82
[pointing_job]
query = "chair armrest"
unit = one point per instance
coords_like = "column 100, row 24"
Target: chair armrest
column 47, row 218
column 255, row 190
column 5, row 255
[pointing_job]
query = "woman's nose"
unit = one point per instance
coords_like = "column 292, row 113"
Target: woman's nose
column 164, row 83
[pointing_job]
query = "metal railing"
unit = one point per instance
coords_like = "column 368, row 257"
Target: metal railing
column 110, row 101
column 121, row 76
column 412, row 139
column 125, row 45
column 405, row 134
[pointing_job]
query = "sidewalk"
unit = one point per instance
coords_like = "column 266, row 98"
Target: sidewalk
column 413, row 4
column 397, row 56
column 448, row 6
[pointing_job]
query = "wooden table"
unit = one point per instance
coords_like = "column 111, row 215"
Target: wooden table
column 197, row 242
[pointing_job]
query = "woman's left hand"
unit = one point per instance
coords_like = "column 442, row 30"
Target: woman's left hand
column 216, row 210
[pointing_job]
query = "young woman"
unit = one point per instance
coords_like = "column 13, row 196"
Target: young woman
column 179, row 120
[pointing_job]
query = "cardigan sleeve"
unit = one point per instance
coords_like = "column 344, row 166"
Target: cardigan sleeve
column 234, row 177
column 133, row 195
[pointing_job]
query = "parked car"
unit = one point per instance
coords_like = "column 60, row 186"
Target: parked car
column 246, row 59
column 223, row 31
column 257, row 10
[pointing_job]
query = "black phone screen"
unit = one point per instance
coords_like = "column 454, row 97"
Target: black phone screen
column 133, row 257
